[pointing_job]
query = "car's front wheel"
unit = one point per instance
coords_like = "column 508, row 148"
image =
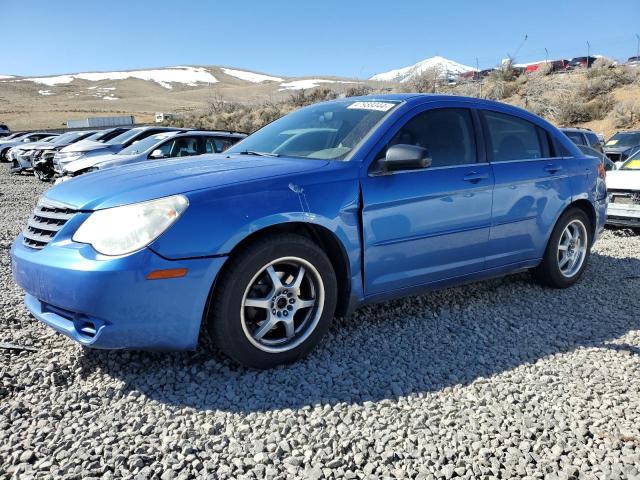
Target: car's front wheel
column 567, row 252
column 274, row 301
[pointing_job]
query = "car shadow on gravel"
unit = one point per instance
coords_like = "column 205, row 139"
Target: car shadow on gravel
column 406, row 347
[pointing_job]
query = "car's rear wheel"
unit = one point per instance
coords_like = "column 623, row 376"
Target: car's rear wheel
column 567, row 252
column 274, row 301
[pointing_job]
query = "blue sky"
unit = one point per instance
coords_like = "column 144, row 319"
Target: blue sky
column 339, row 37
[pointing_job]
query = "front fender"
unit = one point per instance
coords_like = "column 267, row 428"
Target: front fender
column 218, row 219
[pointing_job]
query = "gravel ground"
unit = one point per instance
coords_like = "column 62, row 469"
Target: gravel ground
column 500, row 379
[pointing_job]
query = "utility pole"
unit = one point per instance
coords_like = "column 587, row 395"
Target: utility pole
column 638, row 47
column 588, row 51
column 478, row 75
column 546, row 55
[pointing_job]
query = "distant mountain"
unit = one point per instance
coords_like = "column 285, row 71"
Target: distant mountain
column 444, row 66
column 28, row 102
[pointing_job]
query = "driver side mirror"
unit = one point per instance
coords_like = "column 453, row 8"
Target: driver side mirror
column 405, row 157
column 157, row 153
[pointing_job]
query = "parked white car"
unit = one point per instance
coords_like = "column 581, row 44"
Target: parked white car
column 623, row 186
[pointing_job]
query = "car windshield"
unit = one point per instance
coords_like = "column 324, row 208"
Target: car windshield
column 145, row 144
column 330, row 130
column 123, row 137
column 96, row 136
column 624, row 139
column 69, row 137
column 632, row 163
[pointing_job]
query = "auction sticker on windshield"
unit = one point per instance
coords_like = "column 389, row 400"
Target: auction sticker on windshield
column 379, row 106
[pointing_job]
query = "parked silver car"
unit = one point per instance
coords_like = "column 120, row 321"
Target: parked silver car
column 155, row 147
column 28, row 137
column 24, row 159
column 20, row 155
column 42, row 161
column 76, row 152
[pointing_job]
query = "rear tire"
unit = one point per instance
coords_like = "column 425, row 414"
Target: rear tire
column 567, row 252
column 3, row 155
column 273, row 302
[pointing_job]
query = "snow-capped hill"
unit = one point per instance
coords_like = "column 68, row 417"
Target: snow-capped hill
column 443, row 65
column 162, row 76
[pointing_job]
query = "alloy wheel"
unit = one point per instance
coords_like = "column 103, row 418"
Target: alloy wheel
column 572, row 248
column 282, row 304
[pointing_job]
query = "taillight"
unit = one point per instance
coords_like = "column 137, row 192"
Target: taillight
column 602, row 172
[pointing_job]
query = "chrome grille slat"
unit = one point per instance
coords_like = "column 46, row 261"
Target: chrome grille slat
column 45, row 222
column 50, row 226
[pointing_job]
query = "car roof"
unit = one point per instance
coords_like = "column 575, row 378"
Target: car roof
column 424, row 98
column 576, row 129
column 212, row 133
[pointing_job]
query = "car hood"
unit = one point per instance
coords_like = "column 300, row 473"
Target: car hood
column 89, row 147
column 618, row 149
column 84, row 163
column 32, row 146
column 149, row 180
column 623, row 179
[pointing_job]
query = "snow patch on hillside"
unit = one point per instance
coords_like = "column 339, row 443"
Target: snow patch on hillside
column 3, row 77
column 45, row 92
column 306, row 83
column 250, row 76
column 443, row 65
column 164, row 77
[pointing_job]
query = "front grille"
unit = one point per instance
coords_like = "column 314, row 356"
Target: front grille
column 626, row 197
column 47, row 219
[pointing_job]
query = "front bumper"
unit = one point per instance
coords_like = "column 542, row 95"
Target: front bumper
column 624, row 215
column 106, row 302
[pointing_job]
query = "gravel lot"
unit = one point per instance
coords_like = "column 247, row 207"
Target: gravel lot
column 500, row 379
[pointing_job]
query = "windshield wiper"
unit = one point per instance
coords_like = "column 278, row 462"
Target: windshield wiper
column 259, row 154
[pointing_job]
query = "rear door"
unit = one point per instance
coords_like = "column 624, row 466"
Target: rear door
column 531, row 186
column 427, row 225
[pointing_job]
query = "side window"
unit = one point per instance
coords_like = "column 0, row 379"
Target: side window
column 165, row 148
column 218, row 144
column 512, row 138
column 592, row 138
column 447, row 133
column 575, row 137
column 184, row 147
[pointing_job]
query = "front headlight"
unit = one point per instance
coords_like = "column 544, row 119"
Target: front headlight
column 122, row 230
column 67, row 156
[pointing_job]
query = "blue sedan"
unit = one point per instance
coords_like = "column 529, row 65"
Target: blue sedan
column 335, row 205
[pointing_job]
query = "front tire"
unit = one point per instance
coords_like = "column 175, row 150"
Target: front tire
column 274, row 302
column 567, row 252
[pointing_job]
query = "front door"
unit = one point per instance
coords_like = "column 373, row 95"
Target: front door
column 423, row 226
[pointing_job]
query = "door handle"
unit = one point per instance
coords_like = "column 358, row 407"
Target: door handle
column 552, row 168
column 475, row 177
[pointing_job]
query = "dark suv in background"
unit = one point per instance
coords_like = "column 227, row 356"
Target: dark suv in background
column 583, row 136
column 622, row 145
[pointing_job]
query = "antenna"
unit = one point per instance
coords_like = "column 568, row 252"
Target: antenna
column 546, row 55
column 638, row 47
column 513, row 57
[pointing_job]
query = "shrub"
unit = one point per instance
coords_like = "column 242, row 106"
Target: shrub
column 573, row 109
column 626, row 114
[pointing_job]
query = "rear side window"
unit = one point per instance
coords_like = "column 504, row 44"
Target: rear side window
column 447, row 133
column 576, row 137
column 512, row 138
column 217, row 145
column 593, row 140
